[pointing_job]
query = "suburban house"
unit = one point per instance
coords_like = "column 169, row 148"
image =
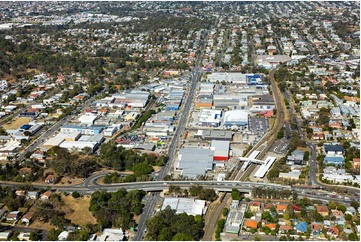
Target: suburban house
column 27, row 218
column 46, row 195
column 251, row 224
column 333, row 149
column 281, row 208
column 323, row 210
column 13, row 216
column 254, row 206
column 50, row 179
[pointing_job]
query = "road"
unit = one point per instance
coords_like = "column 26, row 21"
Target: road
column 149, row 207
column 310, row 47
column 40, row 140
column 280, row 52
column 155, row 186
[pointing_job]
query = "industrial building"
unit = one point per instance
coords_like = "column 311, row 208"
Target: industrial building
column 82, row 129
column 210, row 118
column 227, row 101
column 134, row 99
column 189, row 206
column 88, row 119
column 271, row 61
column 214, row 135
column 230, row 77
column 79, row 145
column 110, row 130
column 194, row 161
column 176, row 93
column 262, row 103
column 221, row 150
column 237, row 118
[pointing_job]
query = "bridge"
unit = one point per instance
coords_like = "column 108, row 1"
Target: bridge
column 261, row 162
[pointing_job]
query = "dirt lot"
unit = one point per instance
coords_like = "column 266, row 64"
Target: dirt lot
column 17, row 123
column 80, row 206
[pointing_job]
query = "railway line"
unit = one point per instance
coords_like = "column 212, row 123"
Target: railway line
column 240, row 175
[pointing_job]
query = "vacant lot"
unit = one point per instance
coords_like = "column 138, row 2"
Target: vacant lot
column 80, row 206
column 17, row 123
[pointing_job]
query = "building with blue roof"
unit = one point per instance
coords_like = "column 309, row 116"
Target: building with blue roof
column 337, row 160
column 253, row 79
column 301, row 227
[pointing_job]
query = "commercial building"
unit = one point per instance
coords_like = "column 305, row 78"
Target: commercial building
column 189, row 206
column 134, row 98
column 110, row 131
column 262, row 103
column 296, row 157
column 229, row 77
column 237, row 118
column 88, row 119
column 194, row 161
column 79, row 145
column 226, row 101
column 92, row 130
column 221, row 150
column 210, row 118
column 214, row 135
column 235, row 218
column 271, row 61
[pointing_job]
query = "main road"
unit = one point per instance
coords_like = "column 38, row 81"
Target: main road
column 149, row 207
column 227, row 186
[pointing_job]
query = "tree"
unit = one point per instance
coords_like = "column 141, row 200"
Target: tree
column 142, row 169
column 182, row 237
column 166, row 224
column 225, row 211
column 267, row 216
column 353, row 237
column 341, row 207
column 332, row 205
column 75, row 194
column 324, row 116
column 355, row 204
column 35, row 235
column 236, row 195
column 53, row 234
column 348, row 217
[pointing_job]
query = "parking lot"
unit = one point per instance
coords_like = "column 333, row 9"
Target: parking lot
column 258, row 125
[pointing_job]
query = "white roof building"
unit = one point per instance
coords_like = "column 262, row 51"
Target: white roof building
column 236, row 117
column 221, row 150
column 88, row 119
column 185, row 205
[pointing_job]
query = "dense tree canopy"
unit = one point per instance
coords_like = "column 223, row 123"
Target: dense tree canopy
column 117, row 208
column 167, row 225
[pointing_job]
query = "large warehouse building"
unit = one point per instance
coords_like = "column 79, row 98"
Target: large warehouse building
column 195, row 161
column 221, row 150
column 237, row 118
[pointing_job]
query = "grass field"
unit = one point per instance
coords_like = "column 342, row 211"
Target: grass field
column 17, row 123
column 80, row 206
